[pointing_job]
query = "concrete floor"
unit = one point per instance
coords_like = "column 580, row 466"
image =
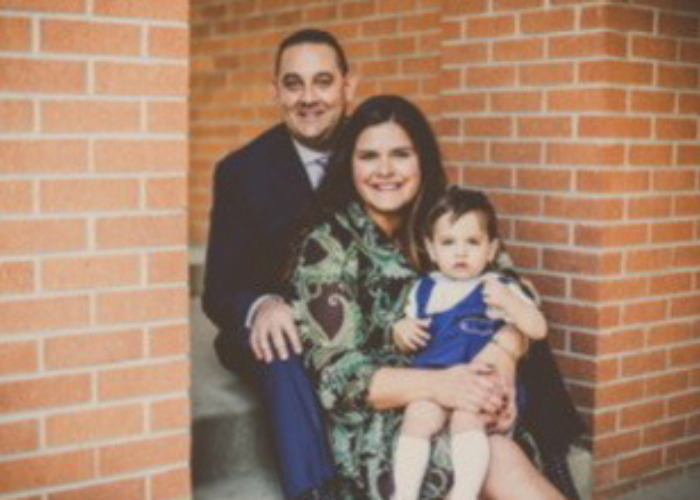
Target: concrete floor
column 683, row 487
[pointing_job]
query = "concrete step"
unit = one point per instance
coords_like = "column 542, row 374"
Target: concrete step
column 230, row 449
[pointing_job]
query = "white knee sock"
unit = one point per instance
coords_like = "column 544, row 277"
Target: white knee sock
column 470, row 457
column 410, row 463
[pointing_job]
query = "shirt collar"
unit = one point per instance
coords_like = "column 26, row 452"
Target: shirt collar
column 307, row 154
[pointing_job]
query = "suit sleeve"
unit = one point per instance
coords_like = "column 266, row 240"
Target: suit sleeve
column 229, row 285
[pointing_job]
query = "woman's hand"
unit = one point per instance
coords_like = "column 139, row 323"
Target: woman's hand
column 411, row 334
column 475, row 387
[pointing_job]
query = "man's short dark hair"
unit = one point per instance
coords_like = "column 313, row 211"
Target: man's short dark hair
column 310, row 35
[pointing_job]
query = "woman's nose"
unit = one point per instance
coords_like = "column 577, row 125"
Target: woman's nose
column 385, row 167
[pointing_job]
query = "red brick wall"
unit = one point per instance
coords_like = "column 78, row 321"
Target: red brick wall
column 580, row 118
column 93, row 250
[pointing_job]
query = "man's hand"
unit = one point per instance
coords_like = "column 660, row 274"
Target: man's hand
column 274, row 331
column 475, row 387
column 411, row 334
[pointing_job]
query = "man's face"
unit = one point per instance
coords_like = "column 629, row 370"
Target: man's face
column 312, row 93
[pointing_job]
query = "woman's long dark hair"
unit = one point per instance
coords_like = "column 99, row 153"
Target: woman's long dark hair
column 338, row 189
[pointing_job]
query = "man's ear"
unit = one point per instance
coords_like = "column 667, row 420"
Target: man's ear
column 351, row 80
column 274, row 90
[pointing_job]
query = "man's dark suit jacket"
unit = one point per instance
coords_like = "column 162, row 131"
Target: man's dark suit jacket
column 260, row 192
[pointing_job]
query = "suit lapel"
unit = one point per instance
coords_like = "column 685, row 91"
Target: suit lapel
column 292, row 175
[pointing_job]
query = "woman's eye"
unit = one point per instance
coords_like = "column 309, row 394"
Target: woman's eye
column 366, row 155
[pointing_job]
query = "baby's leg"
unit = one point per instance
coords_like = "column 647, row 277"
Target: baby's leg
column 470, row 454
column 422, row 420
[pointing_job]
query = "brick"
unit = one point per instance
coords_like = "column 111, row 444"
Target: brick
column 650, row 207
column 463, row 53
column 612, row 181
column 141, row 231
column 90, row 116
column 171, row 415
column 687, row 256
column 43, row 155
column 649, row 260
column 16, row 197
column 621, row 72
column 676, row 129
column 643, row 363
column 543, row 179
column 133, row 489
column 393, row 46
column 34, row 236
column 91, row 425
column 584, row 154
column 132, row 382
column 490, row 27
column 172, row 485
column 15, row 34
column 516, row 101
column 168, row 42
column 144, row 454
column 645, row 312
column 586, row 100
column 664, row 433
column 642, row 414
column 685, row 306
column 90, row 38
column 685, row 355
column 94, row 349
column 89, row 195
column 542, row 232
column 487, row 76
column 626, row 19
column 690, row 52
column 162, row 10
column 684, row 404
column 620, row 393
column 17, row 437
column 33, row 315
column 652, row 101
column 17, row 116
column 463, row 103
column 44, row 393
column 610, row 344
column 517, row 152
column 671, row 283
column 610, row 290
column 674, row 76
column 168, row 267
column 632, row 128
column 17, row 358
column 37, row 76
column 688, row 155
column 544, row 127
column 91, row 272
column 139, row 79
column 546, row 74
column 611, row 236
column 510, row 5
column 16, row 278
column 167, row 193
column 678, row 25
column 689, row 103
column 582, row 208
column 650, row 155
column 577, row 262
column 610, row 446
column 588, row 45
column 639, row 464
column 647, row 47
column 687, row 205
column 489, row 176
column 683, row 452
column 141, row 155
column 518, row 50
column 142, row 305
column 49, row 470
column 169, row 116
column 676, row 231
column 487, row 127
column 53, row 6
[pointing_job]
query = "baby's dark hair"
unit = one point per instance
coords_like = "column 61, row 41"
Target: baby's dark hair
column 457, row 202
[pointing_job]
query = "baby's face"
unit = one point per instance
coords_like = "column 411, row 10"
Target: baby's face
column 461, row 249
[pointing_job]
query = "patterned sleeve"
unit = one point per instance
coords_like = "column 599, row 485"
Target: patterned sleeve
column 331, row 323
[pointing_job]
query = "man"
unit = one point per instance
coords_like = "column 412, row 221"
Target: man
column 260, row 192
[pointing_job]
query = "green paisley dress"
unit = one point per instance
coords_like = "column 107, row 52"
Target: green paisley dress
column 348, row 290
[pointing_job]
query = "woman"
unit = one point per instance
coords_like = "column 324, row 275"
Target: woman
column 353, row 271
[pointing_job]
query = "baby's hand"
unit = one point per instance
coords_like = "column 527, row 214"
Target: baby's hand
column 497, row 294
column 411, row 334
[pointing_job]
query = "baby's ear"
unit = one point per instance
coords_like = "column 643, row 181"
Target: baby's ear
column 429, row 248
column 494, row 248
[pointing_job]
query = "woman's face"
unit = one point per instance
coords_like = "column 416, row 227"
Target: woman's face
column 386, row 173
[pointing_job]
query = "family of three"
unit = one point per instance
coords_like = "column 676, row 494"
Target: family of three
column 373, row 307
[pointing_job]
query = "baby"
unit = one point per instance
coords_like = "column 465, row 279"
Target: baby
column 452, row 317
